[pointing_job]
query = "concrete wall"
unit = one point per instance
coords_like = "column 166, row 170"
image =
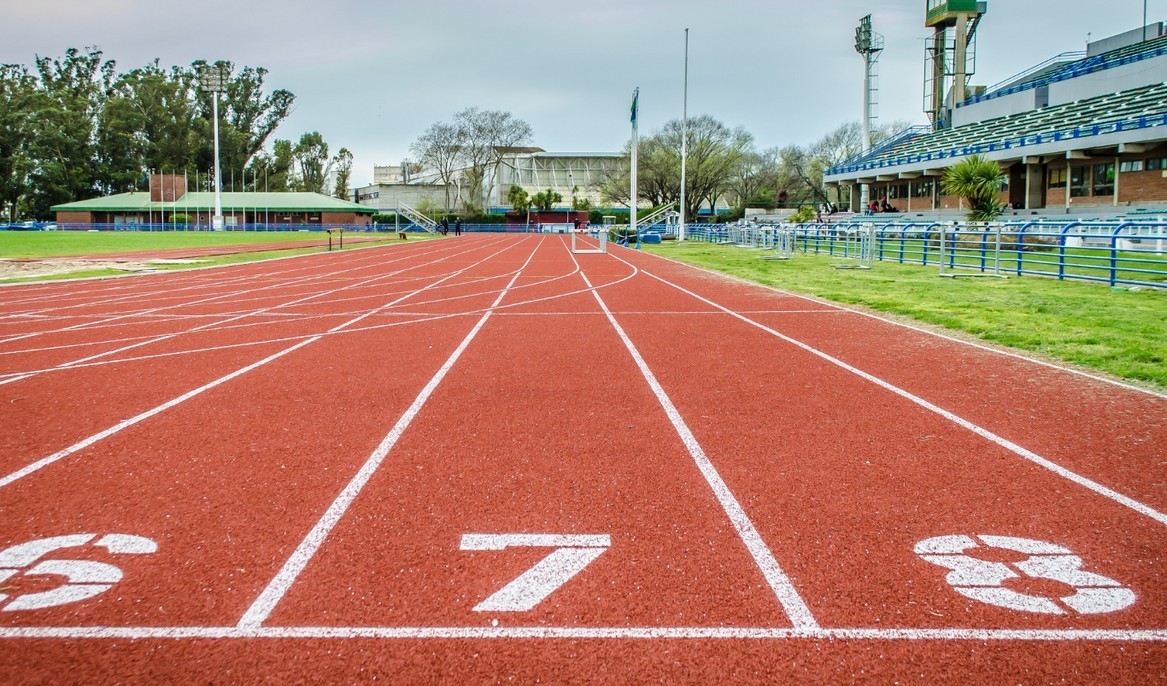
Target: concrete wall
column 1015, row 103
column 1108, row 81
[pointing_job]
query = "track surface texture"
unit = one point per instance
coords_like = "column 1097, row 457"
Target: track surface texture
column 489, row 459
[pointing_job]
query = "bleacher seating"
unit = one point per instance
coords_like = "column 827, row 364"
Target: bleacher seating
column 1134, row 108
column 1107, row 60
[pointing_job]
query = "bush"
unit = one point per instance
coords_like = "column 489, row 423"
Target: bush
column 183, row 219
column 803, row 215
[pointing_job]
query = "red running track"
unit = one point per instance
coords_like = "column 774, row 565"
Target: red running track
column 488, row 458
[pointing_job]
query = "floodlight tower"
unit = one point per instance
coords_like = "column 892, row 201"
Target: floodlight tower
column 868, row 44
column 962, row 17
column 212, row 80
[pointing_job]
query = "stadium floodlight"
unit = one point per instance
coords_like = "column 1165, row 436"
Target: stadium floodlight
column 213, row 79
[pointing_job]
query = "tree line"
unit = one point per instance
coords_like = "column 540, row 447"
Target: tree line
column 74, row 128
column 724, row 165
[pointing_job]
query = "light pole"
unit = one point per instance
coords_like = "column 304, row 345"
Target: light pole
column 212, row 80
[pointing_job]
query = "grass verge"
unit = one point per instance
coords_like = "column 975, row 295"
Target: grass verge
column 1118, row 332
column 23, row 244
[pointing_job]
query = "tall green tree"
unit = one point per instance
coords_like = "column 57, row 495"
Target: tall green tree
column 312, row 162
column 18, row 96
column 247, row 115
column 73, row 90
column 344, row 171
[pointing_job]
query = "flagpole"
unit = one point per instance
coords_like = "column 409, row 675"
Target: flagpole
column 681, row 231
column 635, row 145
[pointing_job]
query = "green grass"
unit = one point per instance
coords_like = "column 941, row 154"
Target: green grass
column 72, row 243
column 1119, row 332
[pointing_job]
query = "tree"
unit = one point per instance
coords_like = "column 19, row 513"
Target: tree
column 438, row 149
column 18, row 95
column 519, row 199
column 64, row 145
column 485, row 136
column 978, row 180
column 546, row 200
column 247, row 116
column 312, row 162
column 344, row 170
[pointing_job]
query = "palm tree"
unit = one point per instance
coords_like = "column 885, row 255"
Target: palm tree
column 977, row 180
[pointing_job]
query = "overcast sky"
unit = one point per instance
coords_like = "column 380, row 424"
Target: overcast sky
column 372, row 76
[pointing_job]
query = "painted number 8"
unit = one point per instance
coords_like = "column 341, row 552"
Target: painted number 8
column 984, row 580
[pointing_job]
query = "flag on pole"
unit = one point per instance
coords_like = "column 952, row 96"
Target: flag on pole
column 635, row 99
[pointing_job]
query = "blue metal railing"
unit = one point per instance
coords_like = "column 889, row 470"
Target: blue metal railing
column 1118, row 252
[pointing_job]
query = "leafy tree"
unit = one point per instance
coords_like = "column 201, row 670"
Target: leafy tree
column 247, row 116
column 72, row 92
column 312, row 162
column 519, row 199
column 546, row 200
column 978, row 180
column 18, row 96
column 344, row 170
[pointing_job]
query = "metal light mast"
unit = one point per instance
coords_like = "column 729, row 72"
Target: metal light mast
column 868, row 44
column 212, row 80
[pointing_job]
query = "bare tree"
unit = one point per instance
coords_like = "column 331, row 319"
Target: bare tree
column 439, row 149
column 487, row 135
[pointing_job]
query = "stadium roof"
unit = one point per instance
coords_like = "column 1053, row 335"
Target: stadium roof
column 1138, row 114
column 277, row 202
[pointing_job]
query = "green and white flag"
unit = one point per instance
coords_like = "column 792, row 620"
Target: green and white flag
column 635, row 98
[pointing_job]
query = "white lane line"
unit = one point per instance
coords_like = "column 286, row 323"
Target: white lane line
column 1033, row 457
column 998, row 351
column 263, row 606
column 166, row 293
column 85, row 443
column 783, row 588
column 5, row 379
column 576, row 632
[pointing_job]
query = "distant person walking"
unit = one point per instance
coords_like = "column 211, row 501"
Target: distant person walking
column 445, row 225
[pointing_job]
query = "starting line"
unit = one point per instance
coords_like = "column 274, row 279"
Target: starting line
column 552, row 632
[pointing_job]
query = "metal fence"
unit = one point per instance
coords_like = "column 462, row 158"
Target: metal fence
column 1115, row 252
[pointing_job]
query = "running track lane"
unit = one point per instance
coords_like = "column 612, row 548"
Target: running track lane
column 227, row 483
column 761, row 656
column 524, row 437
column 1103, row 430
column 56, row 409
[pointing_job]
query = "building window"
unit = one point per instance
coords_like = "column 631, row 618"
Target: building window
column 1080, row 182
column 1130, row 166
column 1157, row 163
column 1103, row 179
column 1057, row 178
column 922, row 189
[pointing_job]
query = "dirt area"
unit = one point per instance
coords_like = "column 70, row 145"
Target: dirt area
column 17, row 269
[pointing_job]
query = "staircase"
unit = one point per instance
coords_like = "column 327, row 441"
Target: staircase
column 418, row 218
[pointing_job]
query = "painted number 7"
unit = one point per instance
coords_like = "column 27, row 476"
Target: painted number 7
column 572, row 553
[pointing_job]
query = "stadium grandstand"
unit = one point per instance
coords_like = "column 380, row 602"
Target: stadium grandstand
column 1082, row 132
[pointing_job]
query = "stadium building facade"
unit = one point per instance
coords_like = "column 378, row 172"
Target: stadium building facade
column 1082, row 130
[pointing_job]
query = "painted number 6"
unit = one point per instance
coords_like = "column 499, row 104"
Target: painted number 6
column 983, row 580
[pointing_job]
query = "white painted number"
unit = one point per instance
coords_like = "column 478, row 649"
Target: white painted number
column 572, row 553
column 983, row 580
column 86, row 578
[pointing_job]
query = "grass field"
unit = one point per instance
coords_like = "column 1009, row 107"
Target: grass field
column 21, row 244
column 1119, row 332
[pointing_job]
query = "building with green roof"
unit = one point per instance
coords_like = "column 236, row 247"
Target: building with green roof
column 168, row 201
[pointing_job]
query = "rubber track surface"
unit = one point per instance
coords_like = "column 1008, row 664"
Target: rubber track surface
column 312, row 445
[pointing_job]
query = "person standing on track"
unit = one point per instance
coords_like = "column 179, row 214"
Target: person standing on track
column 458, row 226
column 445, row 225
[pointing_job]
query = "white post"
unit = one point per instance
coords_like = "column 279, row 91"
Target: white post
column 635, row 143
column 217, row 221
column 684, row 136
